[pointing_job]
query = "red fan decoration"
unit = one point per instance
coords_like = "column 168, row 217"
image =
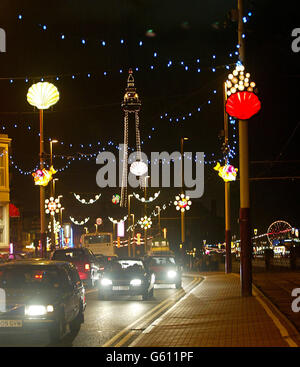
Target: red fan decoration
column 243, row 105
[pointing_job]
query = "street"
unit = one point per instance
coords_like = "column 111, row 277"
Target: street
column 114, row 322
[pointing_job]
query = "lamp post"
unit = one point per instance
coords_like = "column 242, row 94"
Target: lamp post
column 133, row 248
column 42, row 96
column 52, row 193
column 245, row 232
column 145, row 213
column 182, row 140
column 228, row 262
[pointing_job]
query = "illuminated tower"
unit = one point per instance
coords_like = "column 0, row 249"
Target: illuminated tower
column 131, row 105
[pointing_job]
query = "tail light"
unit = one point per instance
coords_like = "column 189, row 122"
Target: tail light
column 87, row 267
column 101, row 269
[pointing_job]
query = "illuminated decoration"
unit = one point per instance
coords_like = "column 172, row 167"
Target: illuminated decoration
column 118, row 221
column 42, row 95
column 145, row 222
column 241, row 102
column 226, row 172
column 278, row 231
column 137, row 196
column 14, row 212
column 57, row 226
column 88, row 202
column 116, row 199
column 131, row 104
column 182, row 203
column 79, row 223
column 52, row 206
column 138, row 168
column 43, row 176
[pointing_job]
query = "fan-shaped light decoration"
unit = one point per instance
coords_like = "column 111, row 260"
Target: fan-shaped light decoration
column 145, row 222
column 137, row 196
column 80, row 223
column 88, row 202
column 43, row 176
column 42, row 95
column 116, row 199
column 227, row 172
column 138, row 168
column 241, row 102
column 118, row 221
column 182, row 202
column 52, row 206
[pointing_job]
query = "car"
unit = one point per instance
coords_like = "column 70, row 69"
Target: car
column 84, row 260
column 104, row 261
column 41, row 294
column 166, row 270
column 126, row 276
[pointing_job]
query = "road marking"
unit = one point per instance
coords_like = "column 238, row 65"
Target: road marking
column 283, row 331
column 161, row 306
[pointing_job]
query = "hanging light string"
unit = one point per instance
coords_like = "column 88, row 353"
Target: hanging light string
column 115, row 221
column 79, row 223
column 143, row 200
column 87, row 202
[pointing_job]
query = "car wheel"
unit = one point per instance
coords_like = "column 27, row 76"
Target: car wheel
column 179, row 285
column 76, row 323
column 57, row 331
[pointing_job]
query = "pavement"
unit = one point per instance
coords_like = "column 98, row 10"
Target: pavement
column 214, row 314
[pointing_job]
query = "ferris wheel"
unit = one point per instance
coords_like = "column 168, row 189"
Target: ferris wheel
column 278, row 230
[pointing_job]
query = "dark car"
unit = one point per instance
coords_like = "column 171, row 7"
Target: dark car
column 105, row 261
column 166, row 270
column 41, row 294
column 126, row 276
column 84, row 260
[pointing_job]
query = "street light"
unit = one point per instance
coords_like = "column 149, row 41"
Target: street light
column 51, row 156
column 42, row 96
column 132, row 215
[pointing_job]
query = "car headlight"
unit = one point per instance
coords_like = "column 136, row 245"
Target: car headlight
column 38, row 310
column 172, row 274
column 106, row 281
column 135, row 282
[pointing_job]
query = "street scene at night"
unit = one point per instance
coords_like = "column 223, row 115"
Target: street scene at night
column 149, row 177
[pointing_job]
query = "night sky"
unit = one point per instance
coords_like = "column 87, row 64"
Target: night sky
column 89, row 109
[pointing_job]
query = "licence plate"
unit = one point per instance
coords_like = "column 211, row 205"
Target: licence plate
column 11, row 323
column 121, row 288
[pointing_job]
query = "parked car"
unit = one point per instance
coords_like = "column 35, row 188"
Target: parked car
column 126, row 276
column 84, row 260
column 41, row 294
column 165, row 268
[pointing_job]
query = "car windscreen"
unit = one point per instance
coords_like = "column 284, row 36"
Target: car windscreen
column 162, row 261
column 127, row 265
column 69, row 255
column 28, row 277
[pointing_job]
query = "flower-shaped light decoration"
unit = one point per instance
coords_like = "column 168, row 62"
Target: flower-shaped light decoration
column 227, row 172
column 42, row 176
column 182, row 203
column 57, row 226
column 42, row 95
column 116, row 199
column 52, row 206
column 138, row 168
column 241, row 103
column 145, row 222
